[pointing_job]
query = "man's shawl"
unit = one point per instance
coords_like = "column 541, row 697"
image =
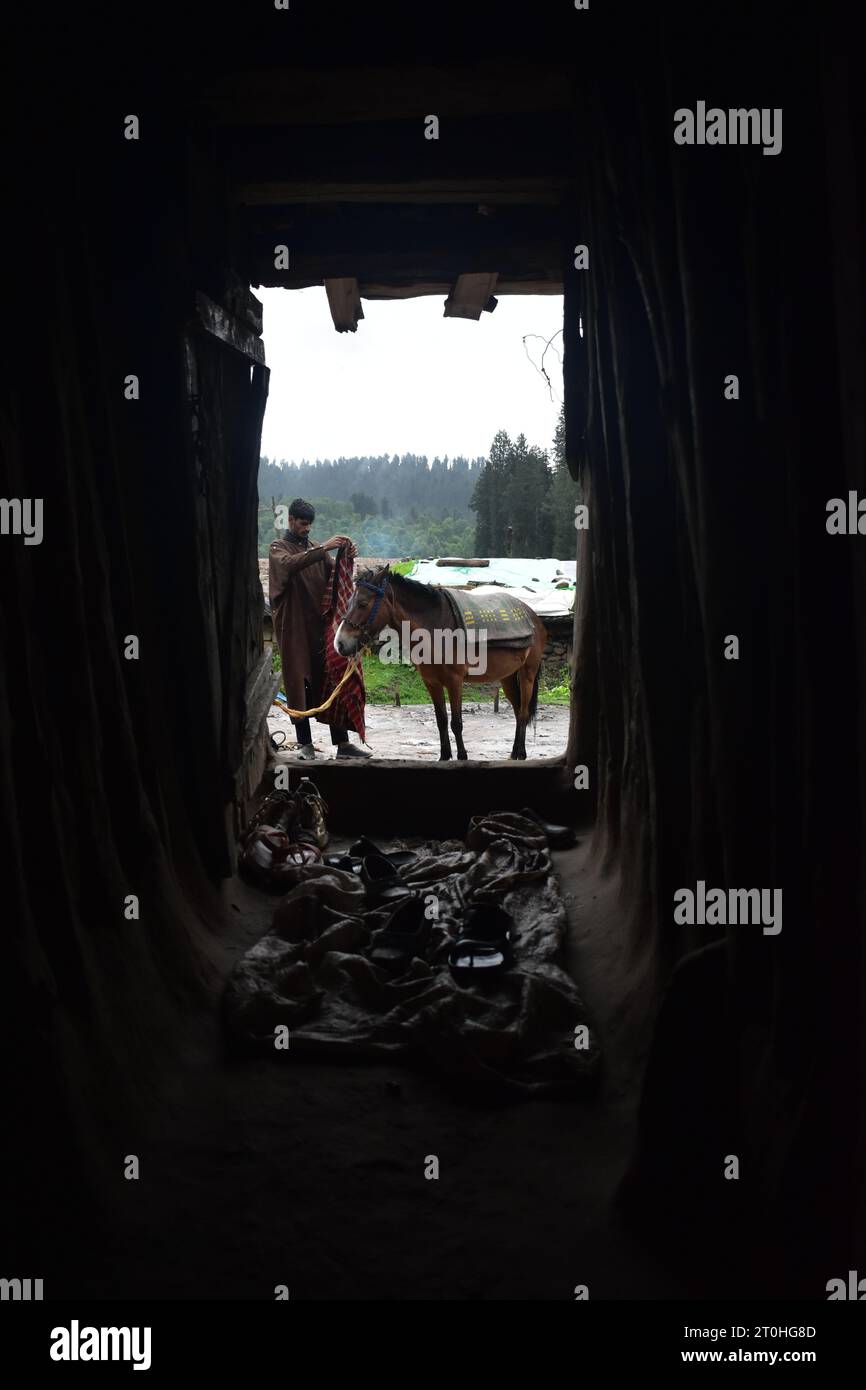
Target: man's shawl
column 347, row 711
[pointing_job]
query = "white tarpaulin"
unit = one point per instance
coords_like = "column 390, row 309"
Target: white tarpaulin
column 551, row 603
column 547, row 586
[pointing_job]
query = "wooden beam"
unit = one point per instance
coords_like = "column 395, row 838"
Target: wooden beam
column 262, row 685
column 499, row 191
column 486, row 149
column 228, row 329
column 345, row 303
column 576, row 365
column 330, row 228
column 471, row 295
column 441, row 287
column 432, row 244
column 377, row 290
column 305, row 95
column 521, row 262
column 414, row 290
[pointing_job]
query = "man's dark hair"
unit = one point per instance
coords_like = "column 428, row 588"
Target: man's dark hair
column 304, row 511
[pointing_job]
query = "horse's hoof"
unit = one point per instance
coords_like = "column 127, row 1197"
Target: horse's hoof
column 444, row 757
column 463, row 757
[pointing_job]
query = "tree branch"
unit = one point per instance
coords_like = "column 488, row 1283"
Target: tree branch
column 541, row 368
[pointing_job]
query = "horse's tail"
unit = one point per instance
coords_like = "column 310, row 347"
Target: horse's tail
column 533, row 699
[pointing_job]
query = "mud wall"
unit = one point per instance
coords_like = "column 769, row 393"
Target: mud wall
column 707, row 520
column 119, row 776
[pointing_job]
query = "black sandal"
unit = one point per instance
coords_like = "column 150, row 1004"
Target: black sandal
column 403, row 937
column 483, row 946
column 349, row 863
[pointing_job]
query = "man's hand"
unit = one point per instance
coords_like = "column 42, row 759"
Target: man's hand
column 335, row 542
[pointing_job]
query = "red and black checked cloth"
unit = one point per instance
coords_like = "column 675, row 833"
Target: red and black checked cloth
column 347, row 711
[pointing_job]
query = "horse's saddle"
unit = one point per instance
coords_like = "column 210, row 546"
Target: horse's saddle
column 506, row 621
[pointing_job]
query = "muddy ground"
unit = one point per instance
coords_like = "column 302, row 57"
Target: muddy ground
column 409, row 731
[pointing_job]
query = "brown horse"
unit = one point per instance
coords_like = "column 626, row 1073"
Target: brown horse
column 384, row 600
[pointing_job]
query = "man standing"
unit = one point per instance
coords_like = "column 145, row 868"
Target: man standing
column 299, row 574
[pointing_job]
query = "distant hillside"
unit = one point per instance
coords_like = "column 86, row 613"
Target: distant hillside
column 393, row 484
column 389, row 505
column 518, row 501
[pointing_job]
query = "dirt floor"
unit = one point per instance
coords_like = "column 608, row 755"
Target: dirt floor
column 409, row 731
column 276, row 1171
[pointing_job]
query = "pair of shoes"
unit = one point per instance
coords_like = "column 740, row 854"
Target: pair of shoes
column 348, row 750
column 353, row 860
column 400, row 858
column 482, row 949
column 269, row 857
column 306, row 752
column 558, row 836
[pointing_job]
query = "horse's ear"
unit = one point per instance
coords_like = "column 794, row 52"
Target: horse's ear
column 387, row 568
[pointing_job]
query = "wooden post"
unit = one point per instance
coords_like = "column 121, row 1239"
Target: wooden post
column 344, row 303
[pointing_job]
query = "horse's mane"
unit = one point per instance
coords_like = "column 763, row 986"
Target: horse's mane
column 424, row 592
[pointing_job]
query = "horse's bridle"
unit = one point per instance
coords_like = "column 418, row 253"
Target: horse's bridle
column 366, row 636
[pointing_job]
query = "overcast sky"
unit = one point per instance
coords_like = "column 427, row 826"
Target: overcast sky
column 409, row 381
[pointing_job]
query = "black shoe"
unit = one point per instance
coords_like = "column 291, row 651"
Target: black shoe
column 558, row 836
column 349, row 863
column 403, row 937
column 400, row 858
column 381, row 879
column 348, row 750
column 483, row 947
column 306, row 751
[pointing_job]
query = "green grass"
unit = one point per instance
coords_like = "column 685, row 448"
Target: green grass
column 384, row 683
column 558, row 693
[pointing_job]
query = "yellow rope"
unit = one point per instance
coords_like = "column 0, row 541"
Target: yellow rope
column 320, row 709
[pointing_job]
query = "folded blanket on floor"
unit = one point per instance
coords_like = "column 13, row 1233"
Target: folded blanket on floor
column 311, row 974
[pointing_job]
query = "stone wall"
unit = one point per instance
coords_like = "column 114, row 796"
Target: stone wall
column 558, row 652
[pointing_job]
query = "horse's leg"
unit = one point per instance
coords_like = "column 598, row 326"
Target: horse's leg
column 525, row 683
column 454, row 686
column 526, row 678
column 437, row 695
column 511, row 686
